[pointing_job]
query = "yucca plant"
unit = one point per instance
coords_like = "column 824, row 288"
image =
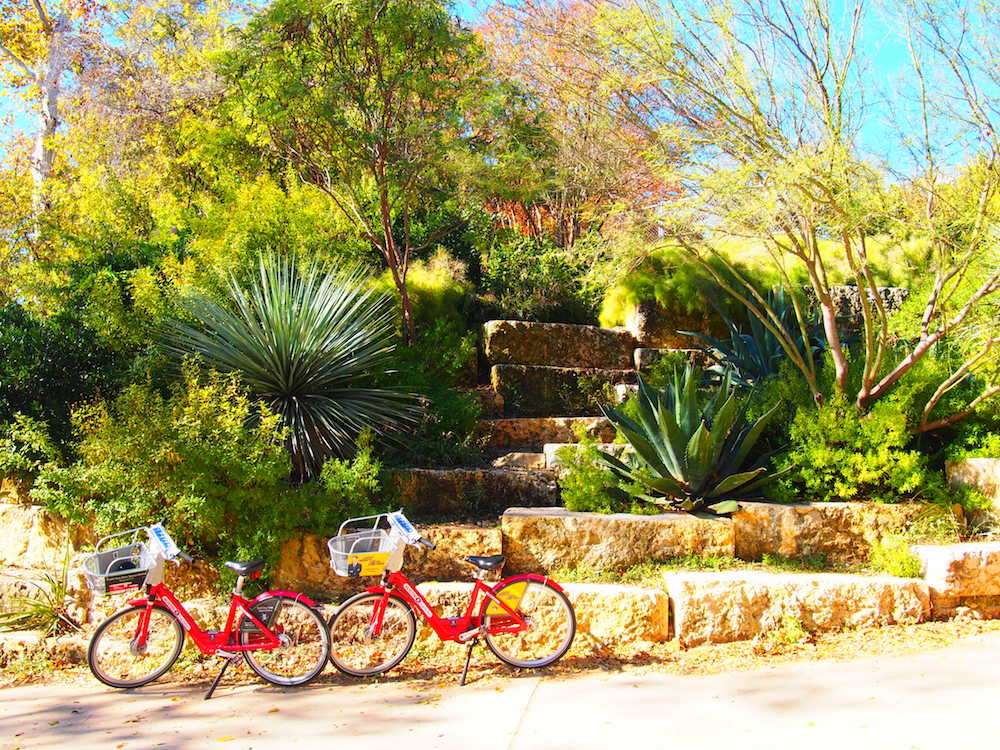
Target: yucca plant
column 43, row 608
column 757, row 354
column 688, row 455
column 307, row 343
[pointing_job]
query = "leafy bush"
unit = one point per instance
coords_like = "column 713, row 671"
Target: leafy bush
column 206, row 458
column 47, row 365
column 588, row 485
column 352, row 486
column 308, row 344
column 976, row 438
column 837, row 454
column 891, row 554
column 25, row 449
column 432, row 368
column 690, row 455
column 529, row 279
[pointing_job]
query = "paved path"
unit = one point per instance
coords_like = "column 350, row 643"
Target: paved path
column 940, row 699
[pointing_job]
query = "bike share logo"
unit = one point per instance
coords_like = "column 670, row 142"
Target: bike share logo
column 177, row 612
column 418, row 600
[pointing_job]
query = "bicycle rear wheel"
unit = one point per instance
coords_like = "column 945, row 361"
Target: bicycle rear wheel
column 551, row 627
column 302, row 632
column 115, row 656
column 353, row 648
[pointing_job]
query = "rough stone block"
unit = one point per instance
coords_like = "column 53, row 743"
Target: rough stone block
column 544, row 540
column 521, row 461
column 534, row 432
column 847, row 303
column 981, row 473
column 836, row 531
column 533, row 390
column 561, row 344
column 655, row 328
column 472, row 492
column 962, row 575
column 31, row 536
column 727, row 606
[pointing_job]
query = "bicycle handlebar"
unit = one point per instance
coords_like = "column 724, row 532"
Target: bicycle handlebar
column 185, row 557
column 427, row 543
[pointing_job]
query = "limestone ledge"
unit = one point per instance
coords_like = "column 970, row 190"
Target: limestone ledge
column 720, row 607
column 545, row 540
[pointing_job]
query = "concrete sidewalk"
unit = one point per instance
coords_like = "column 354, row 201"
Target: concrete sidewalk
column 938, row 699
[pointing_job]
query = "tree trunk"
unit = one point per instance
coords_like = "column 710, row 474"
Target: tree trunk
column 409, row 330
column 48, row 78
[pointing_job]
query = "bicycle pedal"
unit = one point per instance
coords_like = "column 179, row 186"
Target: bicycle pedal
column 468, row 635
column 226, row 655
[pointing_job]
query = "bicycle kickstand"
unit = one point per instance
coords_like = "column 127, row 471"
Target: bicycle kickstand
column 468, row 658
column 218, row 678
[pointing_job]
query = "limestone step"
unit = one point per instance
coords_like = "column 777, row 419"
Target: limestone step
column 472, row 492
column 545, row 540
column 562, row 344
column 739, row 605
column 520, row 461
column 524, row 433
column 536, row 390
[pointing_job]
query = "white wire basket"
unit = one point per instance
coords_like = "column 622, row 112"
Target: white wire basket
column 120, row 562
column 371, row 552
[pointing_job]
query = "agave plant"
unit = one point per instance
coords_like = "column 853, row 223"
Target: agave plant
column 687, row 455
column 753, row 356
column 307, row 344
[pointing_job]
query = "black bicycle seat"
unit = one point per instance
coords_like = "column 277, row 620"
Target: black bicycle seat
column 245, row 568
column 492, row 562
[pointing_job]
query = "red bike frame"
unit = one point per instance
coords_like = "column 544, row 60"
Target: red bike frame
column 459, row 629
column 211, row 642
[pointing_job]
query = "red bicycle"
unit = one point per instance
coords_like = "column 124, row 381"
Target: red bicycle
column 526, row 620
column 281, row 635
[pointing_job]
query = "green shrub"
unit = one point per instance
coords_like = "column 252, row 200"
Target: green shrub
column 837, row 454
column 891, row 555
column 588, row 485
column 975, row 438
column 47, row 365
column 433, row 368
column 529, row 279
column 25, row 449
column 206, row 458
column 352, row 487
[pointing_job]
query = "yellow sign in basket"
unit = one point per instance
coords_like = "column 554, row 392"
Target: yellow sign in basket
column 509, row 595
column 367, row 564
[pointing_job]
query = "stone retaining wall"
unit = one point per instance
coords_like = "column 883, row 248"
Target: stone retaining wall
column 981, row 473
column 466, row 493
column 32, row 537
column 962, row 575
column 835, row 531
column 534, row 390
column 542, row 540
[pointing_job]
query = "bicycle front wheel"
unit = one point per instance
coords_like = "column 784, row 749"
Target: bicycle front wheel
column 551, row 626
column 354, row 650
column 305, row 644
column 121, row 657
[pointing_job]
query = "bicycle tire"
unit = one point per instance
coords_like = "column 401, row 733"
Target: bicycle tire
column 349, row 642
column 539, row 600
column 265, row 662
column 124, row 653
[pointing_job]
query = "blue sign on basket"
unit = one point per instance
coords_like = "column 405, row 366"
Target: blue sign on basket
column 159, row 535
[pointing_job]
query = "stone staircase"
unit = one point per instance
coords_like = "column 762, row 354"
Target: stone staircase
column 550, row 378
